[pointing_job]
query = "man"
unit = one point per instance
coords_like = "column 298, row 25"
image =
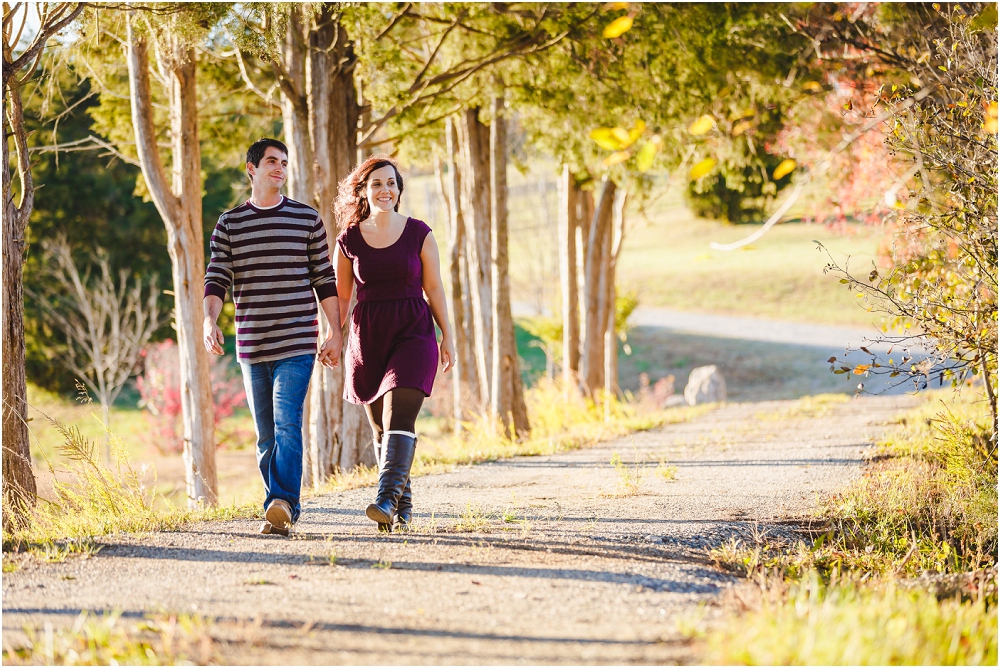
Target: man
column 273, row 252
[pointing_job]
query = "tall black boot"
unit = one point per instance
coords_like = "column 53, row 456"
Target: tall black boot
column 380, row 464
column 399, row 449
column 404, row 508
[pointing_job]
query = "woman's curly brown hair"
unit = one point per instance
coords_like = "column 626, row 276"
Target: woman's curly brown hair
column 352, row 206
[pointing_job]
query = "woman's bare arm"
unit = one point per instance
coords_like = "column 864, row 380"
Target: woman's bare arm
column 434, row 289
column 345, row 283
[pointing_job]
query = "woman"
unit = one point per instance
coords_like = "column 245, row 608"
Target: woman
column 392, row 351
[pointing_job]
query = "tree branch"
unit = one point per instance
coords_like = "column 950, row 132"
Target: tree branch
column 145, row 133
column 371, row 144
column 90, row 143
column 394, row 21
column 433, row 55
column 268, row 96
column 820, row 169
column 49, row 27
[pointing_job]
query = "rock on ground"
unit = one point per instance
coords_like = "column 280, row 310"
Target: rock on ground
column 705, row 386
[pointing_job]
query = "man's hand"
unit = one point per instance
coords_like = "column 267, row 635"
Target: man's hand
column 329, row 353
column 213, row 337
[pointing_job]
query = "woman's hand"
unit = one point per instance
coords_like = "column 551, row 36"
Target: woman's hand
column 447, row 354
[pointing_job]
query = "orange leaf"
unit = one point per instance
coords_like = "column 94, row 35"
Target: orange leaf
column 616, row 158
column 742, row 127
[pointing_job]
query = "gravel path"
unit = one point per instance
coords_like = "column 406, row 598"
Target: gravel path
column 746, row 339
column 758, row 329
column 537, row 560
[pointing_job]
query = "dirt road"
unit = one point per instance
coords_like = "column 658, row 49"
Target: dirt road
column 561, row 559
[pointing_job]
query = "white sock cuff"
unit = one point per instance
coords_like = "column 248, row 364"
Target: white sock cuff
column 404, row 433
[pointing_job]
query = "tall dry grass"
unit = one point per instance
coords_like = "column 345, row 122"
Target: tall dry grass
column 903, row 567
column 91, row 498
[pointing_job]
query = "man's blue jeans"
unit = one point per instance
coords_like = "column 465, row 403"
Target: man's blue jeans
column 276, row 392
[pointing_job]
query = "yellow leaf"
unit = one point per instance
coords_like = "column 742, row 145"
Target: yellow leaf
column 990, row 125
column 701, row 169
column 606, row 138
column 614, row 6
column 991, row 110
column 618, row 27
column 861, row 369
column 648, row 153
column 812, row 86
column 636, row 131
column 741, row 127
column 621, row 134
column 702, row 125
column 615, row 158
column 786, row 167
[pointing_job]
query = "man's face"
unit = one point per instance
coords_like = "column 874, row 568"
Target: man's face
column 271, row 172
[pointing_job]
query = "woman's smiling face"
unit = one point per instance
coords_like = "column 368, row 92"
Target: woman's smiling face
column 382, row 190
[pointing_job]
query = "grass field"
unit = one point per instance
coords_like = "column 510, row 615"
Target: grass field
column 239, row 480
column 901, row 566
column 667, row 261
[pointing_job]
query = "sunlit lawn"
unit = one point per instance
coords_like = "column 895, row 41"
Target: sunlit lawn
column 236, row 464
column 667, row 260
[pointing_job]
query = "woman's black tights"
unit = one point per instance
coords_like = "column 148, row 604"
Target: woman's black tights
column 396, row 410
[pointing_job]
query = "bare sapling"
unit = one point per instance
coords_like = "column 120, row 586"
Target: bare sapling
column 106, row 321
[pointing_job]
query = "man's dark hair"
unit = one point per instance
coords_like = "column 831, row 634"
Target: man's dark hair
column 257, row 149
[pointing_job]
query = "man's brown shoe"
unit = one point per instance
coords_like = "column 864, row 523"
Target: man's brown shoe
column 268, row 528
column 279, row 514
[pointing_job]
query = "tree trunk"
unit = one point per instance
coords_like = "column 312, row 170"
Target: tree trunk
column 319, row 105
column 334, row 123
column 475, row 142
column 507, row 391
column 180, row 207
column 308, row 475
column 18, row 479
column 19, row 488
column 290, row 68
column 464, row 374
column 295, row 110
column 584, row 214
column 568, row 224
column 595, row 292
column 611, row 334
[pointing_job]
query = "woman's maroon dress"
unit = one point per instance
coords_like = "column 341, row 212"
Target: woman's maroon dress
column 392, row 341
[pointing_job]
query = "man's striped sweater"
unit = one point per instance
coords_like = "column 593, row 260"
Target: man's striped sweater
column 274, row 259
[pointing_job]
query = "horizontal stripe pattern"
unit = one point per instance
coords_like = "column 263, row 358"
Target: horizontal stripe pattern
column 277, row 262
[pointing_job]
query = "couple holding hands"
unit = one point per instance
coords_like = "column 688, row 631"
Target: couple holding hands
column 274, row 254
